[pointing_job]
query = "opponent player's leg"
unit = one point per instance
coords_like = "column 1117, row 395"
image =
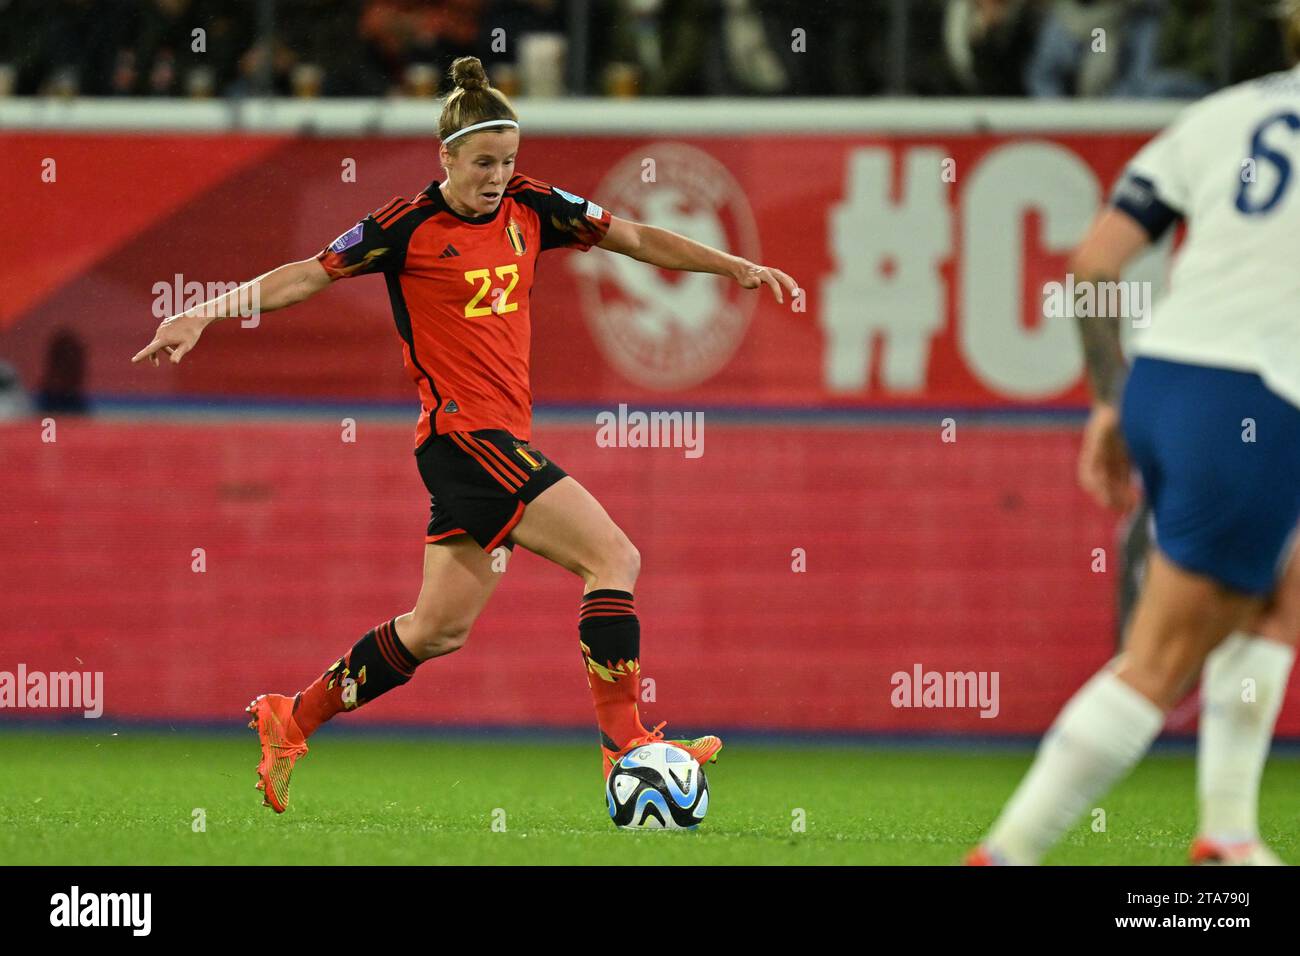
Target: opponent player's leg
column 1242, row 687
column 459, row 578
column 1110, row 723
column 1223, row 511
column 567, row 525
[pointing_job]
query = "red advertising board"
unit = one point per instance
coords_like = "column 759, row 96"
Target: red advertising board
column 789, row 574
column 922, row 259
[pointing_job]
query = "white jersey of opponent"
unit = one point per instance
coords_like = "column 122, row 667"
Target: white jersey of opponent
column 1230, row 166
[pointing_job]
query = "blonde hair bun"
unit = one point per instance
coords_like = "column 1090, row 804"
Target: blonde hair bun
column 468, row 74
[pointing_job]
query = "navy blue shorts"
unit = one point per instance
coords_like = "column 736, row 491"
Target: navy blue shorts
column 1224, row 506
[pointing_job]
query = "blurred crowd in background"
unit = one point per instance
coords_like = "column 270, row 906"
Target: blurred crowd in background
column 308, row 48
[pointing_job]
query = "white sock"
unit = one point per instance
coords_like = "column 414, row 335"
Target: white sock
column 1237, row 721
column 1097, row 738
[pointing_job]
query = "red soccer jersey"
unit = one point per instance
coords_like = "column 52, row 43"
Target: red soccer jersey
column 460, row 289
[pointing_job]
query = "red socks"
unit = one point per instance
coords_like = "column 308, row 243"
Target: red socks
column 377, row 663
column 608, row 633
column 610, row 637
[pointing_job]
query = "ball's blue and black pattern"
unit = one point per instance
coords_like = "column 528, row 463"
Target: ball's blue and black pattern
column 657, row 786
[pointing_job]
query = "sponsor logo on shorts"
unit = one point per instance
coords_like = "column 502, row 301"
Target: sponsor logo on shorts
column 531, row 457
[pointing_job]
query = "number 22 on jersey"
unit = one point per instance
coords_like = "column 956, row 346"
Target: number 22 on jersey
column 501, row 302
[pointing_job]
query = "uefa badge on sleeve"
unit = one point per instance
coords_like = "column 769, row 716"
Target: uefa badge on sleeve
column 347, row 240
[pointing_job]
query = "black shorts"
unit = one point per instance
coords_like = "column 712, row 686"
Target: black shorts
column 479, row 483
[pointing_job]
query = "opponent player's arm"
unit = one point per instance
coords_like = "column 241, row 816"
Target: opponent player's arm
column 668, row 250
column 1104, row 470
column 1112, row 242
column 287, row 285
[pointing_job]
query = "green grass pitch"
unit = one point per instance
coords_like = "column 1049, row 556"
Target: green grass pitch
column 75, row 798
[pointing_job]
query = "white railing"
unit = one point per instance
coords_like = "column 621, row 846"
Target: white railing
column 406, row 117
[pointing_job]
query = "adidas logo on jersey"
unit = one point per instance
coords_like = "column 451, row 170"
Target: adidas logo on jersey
column 451, row 407
column 448, row 252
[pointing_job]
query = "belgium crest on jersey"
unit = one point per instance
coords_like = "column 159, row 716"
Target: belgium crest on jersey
column 516, row 237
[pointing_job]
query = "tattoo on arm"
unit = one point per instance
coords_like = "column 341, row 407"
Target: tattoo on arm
column 1103, row 356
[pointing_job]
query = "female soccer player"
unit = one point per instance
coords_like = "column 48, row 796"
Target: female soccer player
column 459, row 261
column 1210, row 414
column 1242, row 688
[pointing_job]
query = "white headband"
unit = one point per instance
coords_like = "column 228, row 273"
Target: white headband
column 478, row 126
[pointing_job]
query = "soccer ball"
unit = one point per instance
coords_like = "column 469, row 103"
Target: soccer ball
column 657, row 787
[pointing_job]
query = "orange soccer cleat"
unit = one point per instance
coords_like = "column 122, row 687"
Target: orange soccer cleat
column 980, row 856
column 1209, row 852
column 282, row 745
column 703, row 749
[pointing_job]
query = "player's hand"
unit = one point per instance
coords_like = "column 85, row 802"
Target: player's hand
column 176, row 336
column 752, row 276
column 1105, row 471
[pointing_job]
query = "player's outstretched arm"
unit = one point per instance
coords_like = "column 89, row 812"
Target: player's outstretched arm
column 285, row 286
column 668, row 250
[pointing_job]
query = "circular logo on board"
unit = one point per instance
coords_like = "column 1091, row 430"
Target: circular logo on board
column 662, row 329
